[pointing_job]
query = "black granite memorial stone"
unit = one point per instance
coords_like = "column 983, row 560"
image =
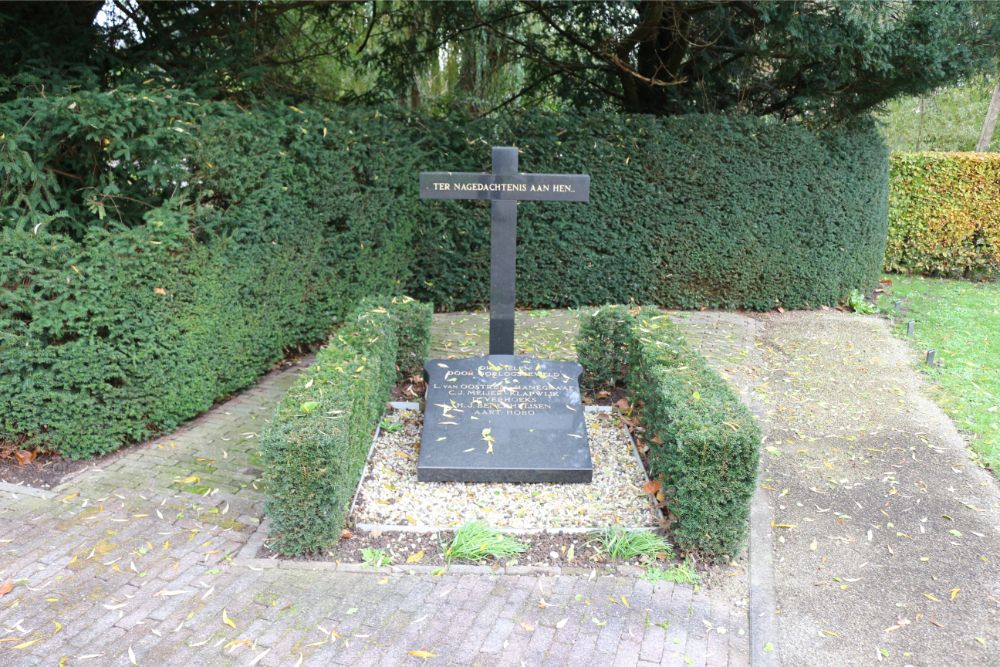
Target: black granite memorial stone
column 503, row 418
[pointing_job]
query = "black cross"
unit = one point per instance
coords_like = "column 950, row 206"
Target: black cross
column 504, row 187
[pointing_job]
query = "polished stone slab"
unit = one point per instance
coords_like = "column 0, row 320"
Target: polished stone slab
column 503, row 418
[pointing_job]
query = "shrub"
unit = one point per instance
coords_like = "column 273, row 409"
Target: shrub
column 685, row 211
column 703, row 443
column 315, row 447
column 944, row 216
column 161, row 251
column 158, row 253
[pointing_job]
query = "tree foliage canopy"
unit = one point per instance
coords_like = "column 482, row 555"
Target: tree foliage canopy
column 809, row 59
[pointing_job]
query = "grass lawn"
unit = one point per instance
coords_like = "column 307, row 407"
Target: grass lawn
column 961, row 320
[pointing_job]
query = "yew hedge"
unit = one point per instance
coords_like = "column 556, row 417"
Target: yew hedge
column 315, row 447
column 161, row 251
column 685, row 211
column 703, row 442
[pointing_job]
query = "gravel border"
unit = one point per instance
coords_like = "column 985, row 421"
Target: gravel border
column 389, row 467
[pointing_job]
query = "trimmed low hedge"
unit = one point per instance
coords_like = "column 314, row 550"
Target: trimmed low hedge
column 703, row 443
column 944, row 215
column 315, row 447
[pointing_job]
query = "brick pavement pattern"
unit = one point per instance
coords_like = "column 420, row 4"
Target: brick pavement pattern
column 135, row 563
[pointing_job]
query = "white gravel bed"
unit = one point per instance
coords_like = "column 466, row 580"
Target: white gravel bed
column 391, row 496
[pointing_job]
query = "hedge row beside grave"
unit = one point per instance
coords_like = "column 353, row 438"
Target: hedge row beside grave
column 685, row 211
column 159, row 252
column 315, row 447
column 703, row 443
column 944, row 215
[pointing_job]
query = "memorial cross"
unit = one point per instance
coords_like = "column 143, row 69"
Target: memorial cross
column 504, row 188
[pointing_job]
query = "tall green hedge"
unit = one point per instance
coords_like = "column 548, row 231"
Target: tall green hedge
column 703, row 443
column 158, row 253
column 685, row 211
column 315, row 447
column 944, row 218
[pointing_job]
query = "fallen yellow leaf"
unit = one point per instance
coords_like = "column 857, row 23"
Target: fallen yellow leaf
column 166, row 594
column 954, row 593
column 237, row 642
column 228, row 621
column 419, row 653
column 415, row 557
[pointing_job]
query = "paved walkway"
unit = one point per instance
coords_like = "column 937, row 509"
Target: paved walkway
column 136, row 563
column 876, row 539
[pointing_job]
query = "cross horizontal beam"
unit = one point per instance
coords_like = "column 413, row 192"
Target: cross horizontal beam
column 524, row 187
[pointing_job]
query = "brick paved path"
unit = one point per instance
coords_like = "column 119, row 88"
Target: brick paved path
column 135, row 564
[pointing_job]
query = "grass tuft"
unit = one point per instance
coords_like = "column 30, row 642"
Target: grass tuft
column 621, row 544
column 476, row 541
column 678, row 573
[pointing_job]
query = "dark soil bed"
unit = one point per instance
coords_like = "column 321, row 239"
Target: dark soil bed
column 566, row 550
column 726, row 579
column 45, row 472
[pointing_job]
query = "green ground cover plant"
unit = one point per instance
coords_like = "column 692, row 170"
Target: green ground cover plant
column 960, row 320
column 314, row 449
column 703, row 443
column 375, row 558
column 476, row 541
